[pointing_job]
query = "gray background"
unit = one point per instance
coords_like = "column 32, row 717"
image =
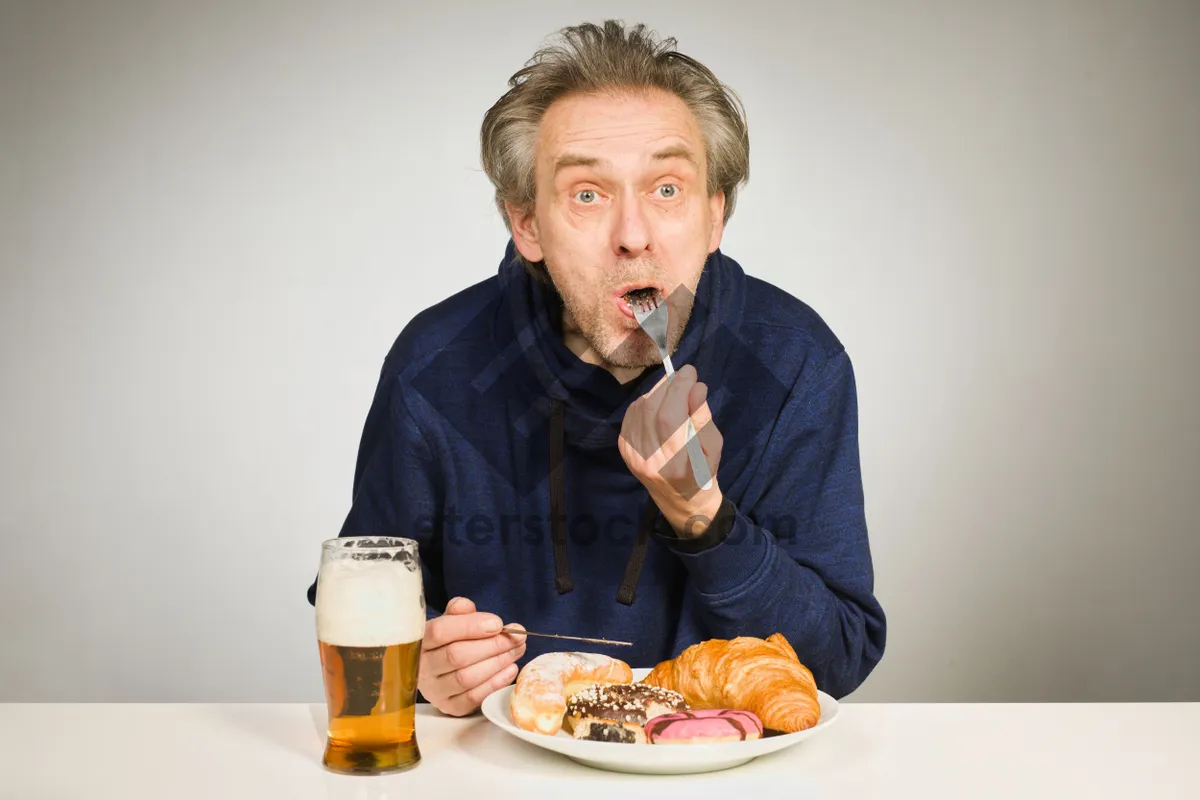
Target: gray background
column 214, row 218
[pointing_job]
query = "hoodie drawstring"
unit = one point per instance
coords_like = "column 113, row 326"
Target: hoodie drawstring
column 558, row 512
column 558, row 519
column 633, row 568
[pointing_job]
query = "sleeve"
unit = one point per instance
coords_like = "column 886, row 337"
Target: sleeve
column 798, row 560
column 395, row 490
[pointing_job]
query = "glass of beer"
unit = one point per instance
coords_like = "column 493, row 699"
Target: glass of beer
column 370, row 621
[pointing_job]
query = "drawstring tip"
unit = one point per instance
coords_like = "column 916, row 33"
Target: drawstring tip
column 558, row 514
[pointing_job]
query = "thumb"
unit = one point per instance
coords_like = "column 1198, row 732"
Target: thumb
column 460, row 605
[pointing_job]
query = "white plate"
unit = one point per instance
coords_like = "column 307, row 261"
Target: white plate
column 653, row 759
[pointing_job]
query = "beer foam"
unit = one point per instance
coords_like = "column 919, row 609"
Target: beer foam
column 369, row 603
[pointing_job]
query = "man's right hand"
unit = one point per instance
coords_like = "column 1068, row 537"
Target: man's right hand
column 464, row 658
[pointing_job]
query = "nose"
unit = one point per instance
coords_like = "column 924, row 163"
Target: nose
column 632, row 235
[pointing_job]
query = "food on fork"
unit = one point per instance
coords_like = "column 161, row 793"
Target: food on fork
column 704, row 726
column 539, row 696
column 763, row 676
column 646, row 294
column 618, row 712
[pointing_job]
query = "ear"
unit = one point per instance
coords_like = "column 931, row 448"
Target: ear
column 524, row 232
column 716, row 210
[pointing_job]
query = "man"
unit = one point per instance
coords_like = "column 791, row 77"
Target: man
column 523, row 430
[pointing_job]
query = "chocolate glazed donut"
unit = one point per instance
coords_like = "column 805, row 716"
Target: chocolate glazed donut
column 618, row 712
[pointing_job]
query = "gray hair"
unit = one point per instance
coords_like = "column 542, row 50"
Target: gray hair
column 593, row 59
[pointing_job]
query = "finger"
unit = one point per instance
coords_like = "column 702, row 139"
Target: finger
column 470, row 700
column 676, row 472
column 676, row 466
column 702, row 418
column 687, row 373
column 630, row 442
column 468, row 652
column 670, row 424
column 643, row 436
column 460, row 605
column 658, row 385
column 448, row 628
column 698, row 405
column 517, row 638
column 630, row 454
column 458, row 706
column 648, row 440
column 650, row 401
column 652, row 435
column 463, row 680
column 711, row 442
column 673, row 409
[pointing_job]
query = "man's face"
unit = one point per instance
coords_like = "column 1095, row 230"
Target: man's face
column 621, row 205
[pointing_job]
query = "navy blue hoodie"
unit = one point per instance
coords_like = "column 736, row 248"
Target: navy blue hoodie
column 495, row 447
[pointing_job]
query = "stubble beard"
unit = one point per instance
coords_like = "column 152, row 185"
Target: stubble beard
column 628, row 349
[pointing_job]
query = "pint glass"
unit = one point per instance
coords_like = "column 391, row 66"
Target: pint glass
column 370, row 620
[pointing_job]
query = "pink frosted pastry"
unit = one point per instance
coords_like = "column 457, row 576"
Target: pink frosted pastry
column 704, row 726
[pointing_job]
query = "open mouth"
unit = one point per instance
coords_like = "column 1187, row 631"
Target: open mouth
column 640, row 296
column 629, row 297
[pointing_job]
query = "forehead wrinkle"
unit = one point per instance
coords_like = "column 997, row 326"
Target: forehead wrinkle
column 663, row 152
column 625, row 130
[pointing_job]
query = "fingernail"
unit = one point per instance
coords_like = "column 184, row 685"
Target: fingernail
column 492, row 625
column 510, row 671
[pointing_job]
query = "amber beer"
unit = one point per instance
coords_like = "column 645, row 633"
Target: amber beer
column 370, row 620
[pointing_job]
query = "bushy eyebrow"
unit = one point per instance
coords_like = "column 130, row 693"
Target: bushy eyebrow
column 571, row 160
column 677, row 152
column 568, row 160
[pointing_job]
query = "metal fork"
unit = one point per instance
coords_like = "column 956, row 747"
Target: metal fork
column 651, row 314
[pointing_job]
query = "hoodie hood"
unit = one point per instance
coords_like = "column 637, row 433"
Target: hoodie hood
column 594, row 400
column 585, row 404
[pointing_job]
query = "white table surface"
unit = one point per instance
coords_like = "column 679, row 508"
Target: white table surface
column 873, row 750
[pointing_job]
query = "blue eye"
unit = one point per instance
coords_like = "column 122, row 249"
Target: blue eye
column 668, row 190
column 587, row 196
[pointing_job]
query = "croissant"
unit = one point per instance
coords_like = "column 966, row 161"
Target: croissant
column 764, row 676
